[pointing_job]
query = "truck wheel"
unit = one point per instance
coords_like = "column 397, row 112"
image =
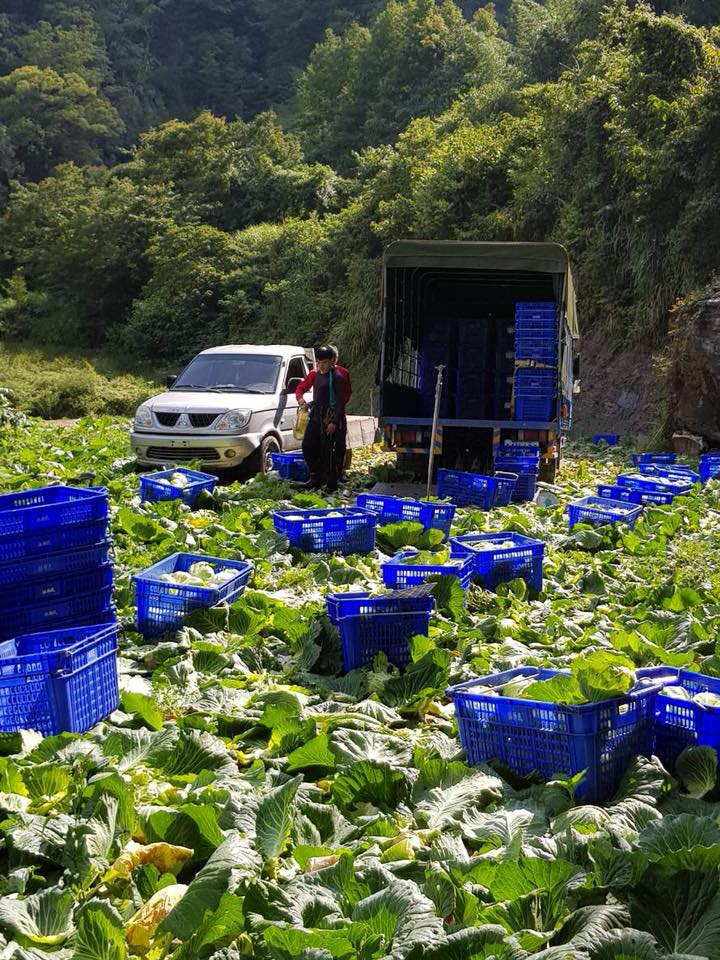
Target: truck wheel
column 549, row 470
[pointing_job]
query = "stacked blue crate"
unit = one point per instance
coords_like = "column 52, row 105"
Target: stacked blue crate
column 55, row 562
column 474, row 369
column 536, row 355
column 522, row 459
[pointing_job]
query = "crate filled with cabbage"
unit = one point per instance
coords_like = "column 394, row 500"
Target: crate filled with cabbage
column 410, row 567
column 502, row 557
column 167, row 591
column 591, row 718
column 177, row 484
column 687, row 712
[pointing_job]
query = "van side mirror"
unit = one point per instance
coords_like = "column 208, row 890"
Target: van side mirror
column 292, row 385
column 169, row 381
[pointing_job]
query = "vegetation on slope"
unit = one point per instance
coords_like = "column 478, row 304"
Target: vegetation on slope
column 591, row 125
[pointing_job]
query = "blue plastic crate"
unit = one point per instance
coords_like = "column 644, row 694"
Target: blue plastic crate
column 630, row 495
column 679, row 471
column 163, row 606
column 709, row 468
column 611, row 439
column 502, row 557
column 535, row 408
column 527, row 450
column 59, row 681
column 507, row 482
column 638, row 458
column 290, row 466
column 323, row 531
column 398, row 574
column 536, row 350
column 437, row 516
column 95, row 607
column 47, row 510
column 647, row 481
column 535, row 381
column 383, row 624
column 536, row 309
column 467, row 489
column 682, row 723
column 47, row 565
column 600, row 510
column 38, row 546
column 54, row 587
column 528, row 736
column 153, row 489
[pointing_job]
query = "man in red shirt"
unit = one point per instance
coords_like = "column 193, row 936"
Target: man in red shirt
column 309, row 380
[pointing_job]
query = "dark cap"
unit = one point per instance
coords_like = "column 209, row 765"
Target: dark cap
column 324, row 353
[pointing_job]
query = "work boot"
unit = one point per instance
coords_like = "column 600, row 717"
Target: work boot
column 311, row 484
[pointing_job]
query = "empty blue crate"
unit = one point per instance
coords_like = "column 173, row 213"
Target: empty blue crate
column 290, row 466
column 536, row 309
column 502, row 557
column 382, row 624
column 506, row 484
column 709, row 466
column 661, row 458
column 651, row 481
column 438, row 516
column 345, row 530
column 675, row 471
column 38, row 546
column 531, row 736
column 399, row 573
column 683, row 723
column 630, row 495
column 467, row 489
column 47, row 511
column 600, row 510
column 536, row 349
column 68, row 562
column 59, row 681
column 611, row 439
column 94, row 607
column 534, row 393
column 157, row 486
column 162, row 605
column 56, row 586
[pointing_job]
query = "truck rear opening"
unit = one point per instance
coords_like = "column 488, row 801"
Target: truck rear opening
column 453, row 305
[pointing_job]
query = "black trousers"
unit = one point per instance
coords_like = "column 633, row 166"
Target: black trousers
column 324, row 454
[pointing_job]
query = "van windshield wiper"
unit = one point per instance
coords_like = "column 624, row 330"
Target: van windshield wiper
column 188, row 386
column 227, row 388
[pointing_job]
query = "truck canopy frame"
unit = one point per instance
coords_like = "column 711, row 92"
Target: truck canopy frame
column 546, row 258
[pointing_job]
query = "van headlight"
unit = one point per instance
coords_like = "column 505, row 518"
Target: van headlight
column 143, row 417
column 234, row 420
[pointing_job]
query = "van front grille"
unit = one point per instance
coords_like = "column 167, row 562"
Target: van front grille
column 167, row 419
column 203, row 419
column 183, row 454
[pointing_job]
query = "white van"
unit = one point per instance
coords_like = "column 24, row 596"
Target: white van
column 230, row 405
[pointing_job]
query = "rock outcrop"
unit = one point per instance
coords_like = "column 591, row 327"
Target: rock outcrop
column 694, row 374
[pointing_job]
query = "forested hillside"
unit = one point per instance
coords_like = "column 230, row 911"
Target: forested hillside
column 186, row 173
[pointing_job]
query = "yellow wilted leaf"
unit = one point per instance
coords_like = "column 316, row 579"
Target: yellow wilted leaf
column 140, row 928
column 164, row 856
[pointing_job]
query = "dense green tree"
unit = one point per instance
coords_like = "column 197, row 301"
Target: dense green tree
column 233, row 174
column 80, row 239
column 50, row 119
column 363, row 87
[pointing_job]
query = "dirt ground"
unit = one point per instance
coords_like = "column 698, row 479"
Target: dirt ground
column 623, row 390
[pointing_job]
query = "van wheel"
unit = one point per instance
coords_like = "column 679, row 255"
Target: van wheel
column 262, row 458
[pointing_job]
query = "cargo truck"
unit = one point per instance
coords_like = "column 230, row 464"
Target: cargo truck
column 455, row 305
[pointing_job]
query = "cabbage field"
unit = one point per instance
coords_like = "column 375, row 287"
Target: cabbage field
column 248, row 799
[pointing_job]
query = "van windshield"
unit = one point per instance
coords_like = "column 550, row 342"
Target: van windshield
column 231, row 373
